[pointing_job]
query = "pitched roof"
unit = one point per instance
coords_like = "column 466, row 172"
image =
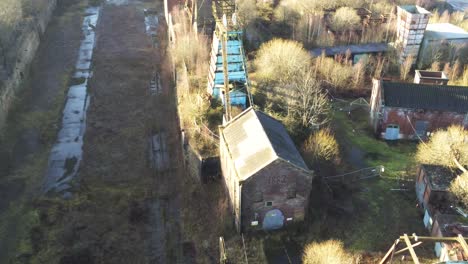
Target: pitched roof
column 425, row 96
column 255, row 139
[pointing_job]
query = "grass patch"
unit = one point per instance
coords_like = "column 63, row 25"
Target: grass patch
column 19, row 219
column 396, row 157
column 379, row 214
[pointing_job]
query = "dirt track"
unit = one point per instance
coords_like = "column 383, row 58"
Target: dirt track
column 122, row 117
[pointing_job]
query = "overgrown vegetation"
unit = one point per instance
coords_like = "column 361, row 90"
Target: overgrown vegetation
column 18, row 221
column 288, row 89
column 330, row 252
column 457, row 18
column 200, row 117
column 449, row 148
column 321, row 145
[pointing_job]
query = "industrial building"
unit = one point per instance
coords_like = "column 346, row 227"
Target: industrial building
column 411, row 24
column 443, row 41
column 267, row 180
column 412, row 111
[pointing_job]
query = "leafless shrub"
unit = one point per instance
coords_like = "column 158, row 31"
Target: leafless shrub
column 328, row 252
column 321, row 145
column 406, row 67
column 446, row 148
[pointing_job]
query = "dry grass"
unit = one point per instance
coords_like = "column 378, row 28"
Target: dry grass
column 328, row 252
column 321, row 145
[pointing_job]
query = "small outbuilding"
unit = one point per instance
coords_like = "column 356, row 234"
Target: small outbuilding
column 430, row 77
column 413, row 111
column 443, row 40
column 432, row 184
column 267, row 180
column 448, row 225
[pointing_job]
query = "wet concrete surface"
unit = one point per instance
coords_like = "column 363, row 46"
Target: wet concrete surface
column 68, row 146
column 53, row 61
column 159, row 154
column 117, row 2
column 126, row 128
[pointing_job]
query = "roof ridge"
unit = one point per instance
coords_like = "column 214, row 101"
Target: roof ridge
column 263, row 129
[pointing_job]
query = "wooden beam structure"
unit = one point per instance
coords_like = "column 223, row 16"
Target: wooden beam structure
column 419, row 240
column 411, row 249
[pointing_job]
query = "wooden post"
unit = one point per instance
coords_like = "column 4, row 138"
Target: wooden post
column 411, row 250
column 407, row 248
column 245, row 250
column 463, row 243
column 389, row 252
column 222, row 251
column 166, row 12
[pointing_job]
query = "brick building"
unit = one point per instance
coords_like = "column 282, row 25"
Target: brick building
column 266, row 178
column 409, row 111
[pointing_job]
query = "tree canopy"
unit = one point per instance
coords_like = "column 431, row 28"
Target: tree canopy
column 345, row 18
column 449, row 148
column 278, row 61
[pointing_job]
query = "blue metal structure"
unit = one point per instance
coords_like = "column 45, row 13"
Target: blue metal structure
column 237, row 71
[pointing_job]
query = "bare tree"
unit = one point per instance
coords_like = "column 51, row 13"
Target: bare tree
column 459, row 188
column 278, row 61
column 406, row 67
column 307, row 101
column 345, row 18
column 247, row 11
column 449, row 148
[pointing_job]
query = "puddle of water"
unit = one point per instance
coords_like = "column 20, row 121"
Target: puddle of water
column 155, row 85
column 117, row 2
column 68, row 146
column 151, row 25
column 158, row 152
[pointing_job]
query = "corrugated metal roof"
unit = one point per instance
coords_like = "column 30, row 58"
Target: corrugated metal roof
column 441, row 31
column 255, row 139
column 423, row 96
column 354, row 49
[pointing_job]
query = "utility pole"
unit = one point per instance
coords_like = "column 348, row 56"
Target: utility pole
column 227, row 94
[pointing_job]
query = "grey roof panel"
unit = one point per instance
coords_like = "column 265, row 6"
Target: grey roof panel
column 429, row 97
column 280, row 140
column 255, row 140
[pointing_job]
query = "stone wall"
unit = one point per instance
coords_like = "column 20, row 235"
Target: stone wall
column 20, row 53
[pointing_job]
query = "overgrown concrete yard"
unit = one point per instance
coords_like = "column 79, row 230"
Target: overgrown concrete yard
column 121, row 210
column 31, row 129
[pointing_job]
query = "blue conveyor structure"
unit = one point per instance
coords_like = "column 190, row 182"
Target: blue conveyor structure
column 237, row 71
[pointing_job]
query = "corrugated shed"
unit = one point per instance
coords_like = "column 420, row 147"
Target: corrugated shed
column 428, row 97
column 255, row 139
